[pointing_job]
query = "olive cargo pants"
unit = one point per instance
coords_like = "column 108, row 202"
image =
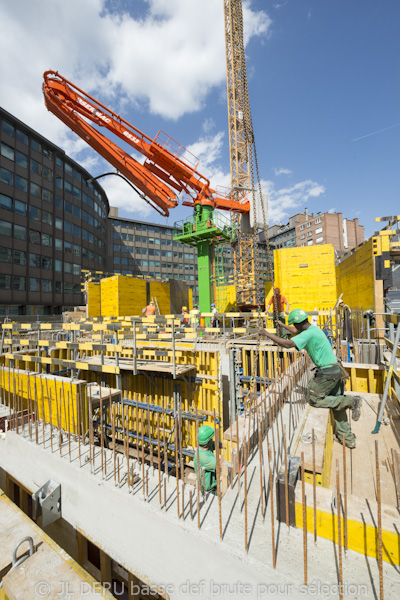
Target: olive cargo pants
column 327, row 391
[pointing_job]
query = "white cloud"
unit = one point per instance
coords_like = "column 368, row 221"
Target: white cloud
column 165, row 61
column 281, row 171
column 284, row 202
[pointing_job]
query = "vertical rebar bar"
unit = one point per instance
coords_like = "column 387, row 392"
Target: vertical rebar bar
column 271, row 492
column 113, row 438
column 379, row 502
column 339, row 529
column 159, row 458
column 261, row 469
column 286, row 477
column 177, row 464
column 198, row 469
column 303, row 502
column 216, row 429
column 346, row 541
column 245, row 495
column 314, row 486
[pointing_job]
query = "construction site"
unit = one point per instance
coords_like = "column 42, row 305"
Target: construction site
column 104, row 492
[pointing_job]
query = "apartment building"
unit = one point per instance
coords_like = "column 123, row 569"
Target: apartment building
column 328, row 228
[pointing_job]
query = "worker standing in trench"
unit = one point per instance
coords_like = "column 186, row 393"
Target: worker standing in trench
column 326, row 388
column 207, row 459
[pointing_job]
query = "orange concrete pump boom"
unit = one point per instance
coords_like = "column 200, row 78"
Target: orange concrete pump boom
column 168, row 169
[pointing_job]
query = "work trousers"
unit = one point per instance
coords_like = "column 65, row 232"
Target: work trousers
column 328, row 392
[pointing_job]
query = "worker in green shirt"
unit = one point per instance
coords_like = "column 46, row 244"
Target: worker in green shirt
column 326, row 389
column 207, row 458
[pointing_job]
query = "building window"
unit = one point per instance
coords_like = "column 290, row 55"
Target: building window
column 46, row 263
column 21, row 159
column 5, row 282
column 19, row 232
column 5, row 228
column 303, row 235
column 319, row 230
column 58, row 289
column 34, row 237
column 46, row 285
column 22, row 137
column 5, row 254
column 34, row 284
column 7, row 127
column 34, row 190
column 319, row 220
column 309, row 224
column 6, row 176
column 19, row 257
column 319, row 240
column 7, row 151
column 310, row 243
column 34, row 260
column 309, row 234
column 34, row 213
column 301, row 227
column 6, row 202
column 21, row 183
column 18, row 283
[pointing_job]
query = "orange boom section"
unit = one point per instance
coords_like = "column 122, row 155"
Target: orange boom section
column 168, row 170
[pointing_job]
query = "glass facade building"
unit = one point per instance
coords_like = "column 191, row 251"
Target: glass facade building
column 53, row 223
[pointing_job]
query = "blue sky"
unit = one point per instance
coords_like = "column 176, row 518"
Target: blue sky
column 323, row 81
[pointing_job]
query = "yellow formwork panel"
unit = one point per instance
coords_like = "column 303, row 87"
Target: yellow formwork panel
column 225, row 298
column 62, row 402
column 161, row 292
column 93, row 299
column 355, row 277
column 122, row 296
column 306, row 276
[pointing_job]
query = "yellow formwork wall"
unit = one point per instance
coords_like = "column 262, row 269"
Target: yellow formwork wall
column 355, row 277
column 161, row 292
column 306, row 276
column 225, row 298
column 62, row 401
column 205, row 396
column 122, row 296
column 93, row 299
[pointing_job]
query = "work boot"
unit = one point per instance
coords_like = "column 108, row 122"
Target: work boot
column 349, row 444
column 356, row 408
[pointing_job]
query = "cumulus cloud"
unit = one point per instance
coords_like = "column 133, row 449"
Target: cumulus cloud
column 164, row 61
column 283, row 202
column 282, row 171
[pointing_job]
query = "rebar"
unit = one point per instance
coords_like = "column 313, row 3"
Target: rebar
column 379, row 502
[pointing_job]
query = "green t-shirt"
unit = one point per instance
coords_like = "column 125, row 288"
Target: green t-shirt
column 317, row 345
column 208, row 462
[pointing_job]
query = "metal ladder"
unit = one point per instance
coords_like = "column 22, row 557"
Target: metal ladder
column 156, row 305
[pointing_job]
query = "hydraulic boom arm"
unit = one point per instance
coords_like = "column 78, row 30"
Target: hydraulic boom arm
column 168, row 169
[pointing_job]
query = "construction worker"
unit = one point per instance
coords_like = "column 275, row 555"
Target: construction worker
column 194, row 320
column 326, row 389
column 207, row 459
column 279, row 302
column 150, row 310
column 185, row 316
column 214, row 320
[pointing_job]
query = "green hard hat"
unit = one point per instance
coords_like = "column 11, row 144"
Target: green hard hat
column 206, row 433
column 298, row 315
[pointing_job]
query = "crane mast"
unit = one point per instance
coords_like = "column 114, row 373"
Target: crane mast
column 240, row 151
